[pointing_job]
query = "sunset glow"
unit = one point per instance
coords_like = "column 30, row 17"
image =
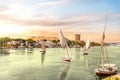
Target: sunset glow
column 24, row 18
column 10, row 30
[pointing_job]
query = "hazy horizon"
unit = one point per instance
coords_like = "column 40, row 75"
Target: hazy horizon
column 25, row 18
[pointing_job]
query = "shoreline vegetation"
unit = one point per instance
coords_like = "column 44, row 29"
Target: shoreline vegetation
column 7, row 42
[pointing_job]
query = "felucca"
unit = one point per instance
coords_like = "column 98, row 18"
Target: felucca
column 104, row 69
column 64, row 45
column 86, row 47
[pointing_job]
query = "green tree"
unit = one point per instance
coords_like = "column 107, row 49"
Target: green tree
column 4, row 40
column 30, row 40
column 44, row 39
column 54, row 41
column 70, row 43
column 95, row 44
column 82, row 43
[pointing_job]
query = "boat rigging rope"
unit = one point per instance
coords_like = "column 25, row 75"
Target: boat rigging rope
column 107, row 56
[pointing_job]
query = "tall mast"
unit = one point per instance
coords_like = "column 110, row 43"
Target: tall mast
column 102, row 42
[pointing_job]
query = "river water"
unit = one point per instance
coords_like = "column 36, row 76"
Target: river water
column 31, row 64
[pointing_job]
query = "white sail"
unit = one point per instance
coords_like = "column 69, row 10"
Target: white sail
column 87, row 45
column 64, row 43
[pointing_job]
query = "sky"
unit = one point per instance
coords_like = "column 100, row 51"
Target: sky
column 25, row 18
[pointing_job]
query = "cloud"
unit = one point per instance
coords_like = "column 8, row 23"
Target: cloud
column 80, row 20
column 39, row 22
column 85, row 22
column 58, row 2
column 52, row 3
column 115, row 17
column 3, row 8
column 86, row 1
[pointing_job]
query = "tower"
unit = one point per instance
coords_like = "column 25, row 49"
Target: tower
column 77, row 40
column 77, row 37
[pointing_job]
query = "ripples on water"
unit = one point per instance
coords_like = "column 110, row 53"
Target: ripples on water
column 31, row 64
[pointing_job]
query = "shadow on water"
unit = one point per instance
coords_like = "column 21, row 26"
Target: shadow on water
column 4, row 52
column 42, row 57
column 65, row 71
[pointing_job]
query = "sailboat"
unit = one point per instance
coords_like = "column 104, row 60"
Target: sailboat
column 43, row 48
column 64, row 45
column 86, row 47
column 104, row 69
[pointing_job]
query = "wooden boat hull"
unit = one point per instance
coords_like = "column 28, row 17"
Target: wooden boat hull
column 85, row 53
column 105, row 73
column 66, row 59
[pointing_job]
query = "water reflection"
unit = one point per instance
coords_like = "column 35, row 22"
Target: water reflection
column 21, row 51
column 29, row 51
column 29, row 67
column 65, row 71
column 86, row 61
column 4, row 52
column 42, row 57
column 77, row 54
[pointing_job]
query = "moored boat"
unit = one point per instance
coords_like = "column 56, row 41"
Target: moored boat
column 104, row 69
